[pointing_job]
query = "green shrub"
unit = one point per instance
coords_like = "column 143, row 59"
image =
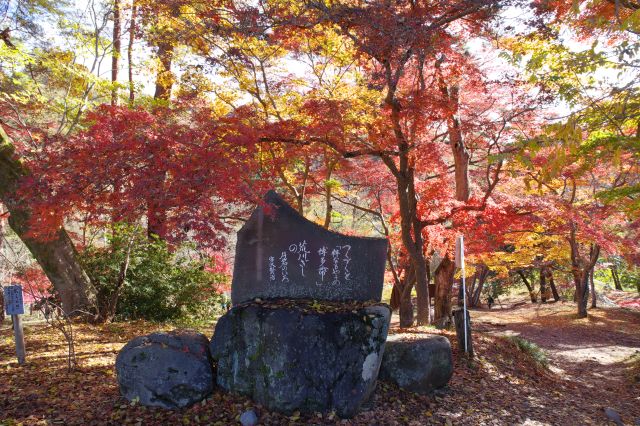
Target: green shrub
column 161, row 284
column 534, row 351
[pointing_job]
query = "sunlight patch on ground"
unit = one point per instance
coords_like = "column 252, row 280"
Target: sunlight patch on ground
column 605, row 355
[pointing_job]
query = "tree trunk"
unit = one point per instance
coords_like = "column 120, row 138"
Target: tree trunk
column 456, row 140
column 616, row 277
column 164, row 77
column 552, row 284
column 458, row 149
column 582, row 292
column 475, row 299
column 410, row 225
column 461, row 165
column 156, row 216
column 406, row 305
column 411, row 232
column 543, row 286
column 471, row 288
column 593, row 289
column 396, row 291
column 108, row 308
column 327, row 196
column 2, row 233
column 396, row 294
column 532, row 293
column 132, row 38
column 459, row 320
column 581, row 268
column 115, row 55
column 57, row 256
column 444, row 283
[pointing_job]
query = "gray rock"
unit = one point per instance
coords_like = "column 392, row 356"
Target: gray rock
column 249, row 418
column 613, row 416
column 170, row 370
column 290, row 359
column 417, row 365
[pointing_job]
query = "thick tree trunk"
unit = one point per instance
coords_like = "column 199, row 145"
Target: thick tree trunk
column 581, row 281
column 57, row 256
column 444, row 283
column 115, row 55
column 581, row 268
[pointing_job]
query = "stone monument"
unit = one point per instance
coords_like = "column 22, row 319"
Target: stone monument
column 307, row 331
column 280, row 254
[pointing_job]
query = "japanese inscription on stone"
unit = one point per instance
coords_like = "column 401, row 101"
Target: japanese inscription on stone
column 280, row 254
column 13, row 300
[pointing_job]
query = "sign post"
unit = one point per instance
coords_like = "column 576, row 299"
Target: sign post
column 14, row 306
column 465, row 315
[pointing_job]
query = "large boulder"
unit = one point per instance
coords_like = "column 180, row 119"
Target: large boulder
column 170, row 370
column 418, row 365
column 297, row 358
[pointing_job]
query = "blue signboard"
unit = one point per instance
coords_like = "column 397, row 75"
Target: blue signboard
column 13, row 300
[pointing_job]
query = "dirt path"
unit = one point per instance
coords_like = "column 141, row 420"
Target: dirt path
column 587, row 355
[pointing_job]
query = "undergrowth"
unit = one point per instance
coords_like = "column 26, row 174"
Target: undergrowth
column 531, row 349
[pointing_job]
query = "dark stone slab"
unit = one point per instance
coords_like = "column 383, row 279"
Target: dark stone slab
column 292, row 359
column 280, row 254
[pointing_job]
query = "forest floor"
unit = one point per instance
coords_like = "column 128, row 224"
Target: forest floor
column 588, row 370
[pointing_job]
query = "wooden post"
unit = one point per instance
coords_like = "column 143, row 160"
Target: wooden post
column 19, row 335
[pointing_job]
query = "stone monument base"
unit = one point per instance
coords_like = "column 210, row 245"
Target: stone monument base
column 301, row 356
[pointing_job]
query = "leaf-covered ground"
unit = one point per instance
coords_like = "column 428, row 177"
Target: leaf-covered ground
column 591, row 367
